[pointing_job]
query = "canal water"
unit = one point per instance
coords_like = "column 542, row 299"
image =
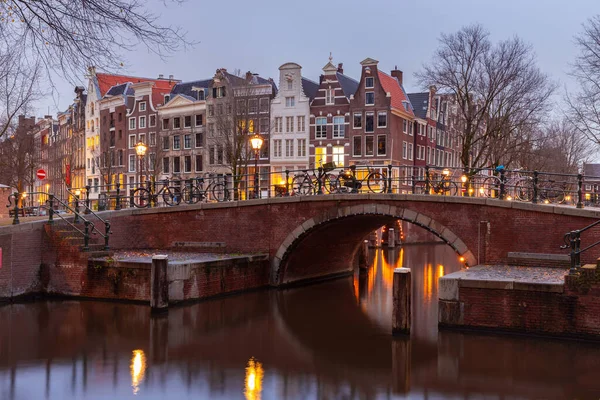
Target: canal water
column 326, row 341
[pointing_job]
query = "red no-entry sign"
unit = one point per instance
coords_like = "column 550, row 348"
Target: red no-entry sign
column 41, row 174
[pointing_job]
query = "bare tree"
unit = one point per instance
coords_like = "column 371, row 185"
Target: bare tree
column 498, row 90
column 67, row 36
column 18, row 159
column 584, row 105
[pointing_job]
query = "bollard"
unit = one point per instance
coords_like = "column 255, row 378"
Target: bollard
column 401, row 305
column 87, row 199
column 391, row 237
column 159, row 284
column 118, row 198
column 51, row 209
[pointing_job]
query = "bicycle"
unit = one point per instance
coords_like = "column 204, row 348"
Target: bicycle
column 348, row 182
column 307, row 184
column 194, row 193
column 520, row 186
column 144, row 198
column 443, row 186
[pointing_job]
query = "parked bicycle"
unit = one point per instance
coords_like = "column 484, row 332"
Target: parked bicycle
column 348, row 182
column 194, row 191
column 307, row 183
column 143, row 197
column 441, row 184
column 518, row 186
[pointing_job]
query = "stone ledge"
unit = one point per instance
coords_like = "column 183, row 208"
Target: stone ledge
column 540, row 256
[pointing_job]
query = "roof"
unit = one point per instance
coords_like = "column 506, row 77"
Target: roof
column 161, row 88
column 106, row 81
column 348, row 85
column 185, row 88
column 310, row 88
column 420, row 102
column 256, row 79
column 592, row 170
column 122, row 89
column 393, row 87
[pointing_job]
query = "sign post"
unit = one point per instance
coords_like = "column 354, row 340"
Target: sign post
column 41, row 174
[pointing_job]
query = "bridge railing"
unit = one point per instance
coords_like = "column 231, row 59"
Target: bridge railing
column 510, row 185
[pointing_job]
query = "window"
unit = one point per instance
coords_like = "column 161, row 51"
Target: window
column 241, row 106
column 112, row 139
column 199, row 140
column 187, row 141
column 200, row 94
column 167, row 98
column 211, row 129
column 132, row 163
column 199, row 120
column 357, row 146
column 290, row 101
column 338, row 127
column 404, row 150
column 404, row 126
column 369, row 98
column 264, row 151
column 329, row 98
column 338, row 156
column 142, row 122
column 153, row 120
column 357, row 120
column 301, row 147
column 289, row 124
column 290, row 84
column 369, row 122
column 120, row 157
column 176, row 165
column 165, row 143
column 369, row 82
column 211, row 155
column 176, row 123
column 411, row 129
column 142, row 138
column 120, row 117
column 165, row 165
column 198, row 162
column 187, row 164
column 278, row 125
column 131, row 123
column 320, row 156
column 132, row 140
column 252, row 106
column 381, row 119
column 187, row 121
column 264, row 125
column 143, row 106
column 321, row 128
column 289, row 148
column 369, row 146
column 381, row 148
column 152, row 139
column 176, row 145
column 277, row 148
column 264, row 105
column 301, row 126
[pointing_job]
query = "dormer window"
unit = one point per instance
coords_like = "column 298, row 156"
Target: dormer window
column 369, row 98
column 143, row 106
column 167, row 98
column 369, row 82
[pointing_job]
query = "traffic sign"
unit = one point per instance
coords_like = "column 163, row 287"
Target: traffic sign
column 41, row 174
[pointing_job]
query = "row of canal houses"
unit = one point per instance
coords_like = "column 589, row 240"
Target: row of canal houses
column 305, row 124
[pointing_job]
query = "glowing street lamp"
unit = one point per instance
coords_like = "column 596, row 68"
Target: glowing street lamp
column 256, row 142
column 140, row 150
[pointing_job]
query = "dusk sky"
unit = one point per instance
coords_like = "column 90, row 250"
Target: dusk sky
column 261, row 35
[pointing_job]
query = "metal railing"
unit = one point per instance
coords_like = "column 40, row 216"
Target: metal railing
column 572, row 241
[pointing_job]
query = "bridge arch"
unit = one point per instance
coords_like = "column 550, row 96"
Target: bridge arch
column 327, row 244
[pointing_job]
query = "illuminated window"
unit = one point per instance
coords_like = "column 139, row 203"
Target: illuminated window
column 320, row 156
column 338, row 155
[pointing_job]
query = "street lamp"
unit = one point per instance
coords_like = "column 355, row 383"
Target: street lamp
column 256, row 141
column 140, row 149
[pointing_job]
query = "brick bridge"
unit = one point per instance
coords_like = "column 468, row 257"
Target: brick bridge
column 316, row 236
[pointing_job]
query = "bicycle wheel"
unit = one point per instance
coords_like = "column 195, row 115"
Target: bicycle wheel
column 448, row 188
column 331, row 183
column 490, row 187
column 172, row 196
column 190, row 195
column 302, row 185
column 376, row 182
column 420, row 188
column 552, row 194
column 141, row 198
column 219, row 192
column 524, row 190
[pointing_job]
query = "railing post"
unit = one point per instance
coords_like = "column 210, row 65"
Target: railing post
column 502, row 184
column 87, row 199
column 106, row 233
column 86, row 235
column 535, row 187
column 51, row 209
column 354, row 181
column 76, row 219
column 427, row 180
column 16, row 221
column 389, row 179
column 118, row 199
column 319, row 183
column 287, row 182
column 575, row 239
column 579, row 191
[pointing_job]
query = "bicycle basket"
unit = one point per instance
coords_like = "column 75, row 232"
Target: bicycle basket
column 328, row 167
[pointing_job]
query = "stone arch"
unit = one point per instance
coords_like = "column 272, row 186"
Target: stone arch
column 371, row 216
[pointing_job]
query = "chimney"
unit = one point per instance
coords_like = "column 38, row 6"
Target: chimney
column 47, row 116
column 170, row 76
column 341, row 68
column 160, row 76
column 396, row 73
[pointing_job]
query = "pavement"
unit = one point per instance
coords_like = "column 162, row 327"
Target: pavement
column 175, row 257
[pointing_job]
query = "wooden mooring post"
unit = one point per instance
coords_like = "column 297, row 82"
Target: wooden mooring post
column 159, row 284
column 401, row 312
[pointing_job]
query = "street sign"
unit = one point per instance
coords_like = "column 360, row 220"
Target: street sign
column 41, row 174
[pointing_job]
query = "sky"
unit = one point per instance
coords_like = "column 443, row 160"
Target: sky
column 262, row 35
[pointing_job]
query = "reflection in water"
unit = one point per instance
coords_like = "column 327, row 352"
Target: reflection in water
column 138, row 368
column 254, row 377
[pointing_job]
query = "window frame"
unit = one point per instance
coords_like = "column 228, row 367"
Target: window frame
column 134, row 120
column 379, row 114
column 142, row 106
column 320, row 133
column 341, row 131
column 367, row 99
column 372, row 82
column 379, row 137
column 354, row 140
column 178, row 143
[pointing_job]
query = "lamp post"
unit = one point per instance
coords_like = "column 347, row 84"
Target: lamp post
column 140, row 150
column 256, row 141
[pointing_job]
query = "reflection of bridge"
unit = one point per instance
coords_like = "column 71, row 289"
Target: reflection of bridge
column 313, row 341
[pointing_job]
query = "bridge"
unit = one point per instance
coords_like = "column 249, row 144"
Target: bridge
column 310, row 237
